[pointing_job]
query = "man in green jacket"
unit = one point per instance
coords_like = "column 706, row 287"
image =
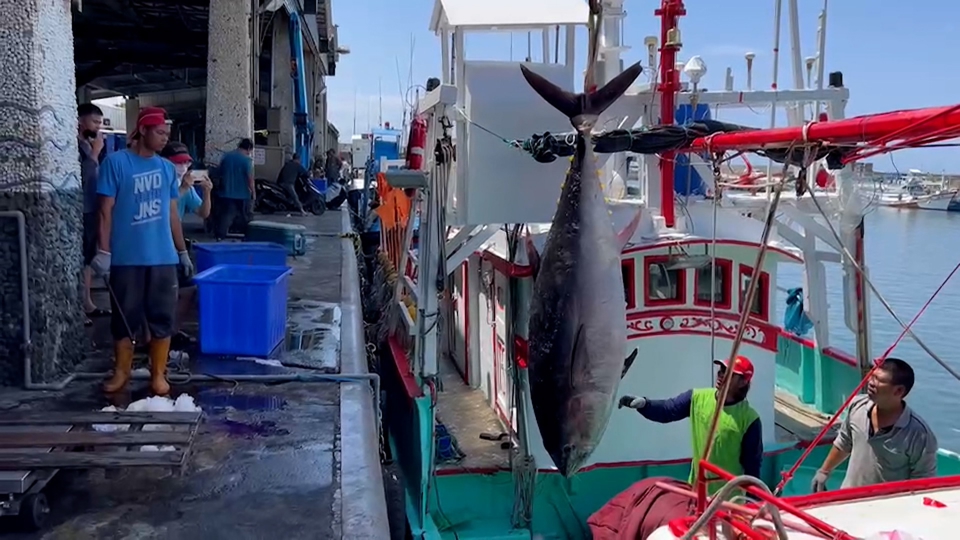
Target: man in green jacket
column 738, row 442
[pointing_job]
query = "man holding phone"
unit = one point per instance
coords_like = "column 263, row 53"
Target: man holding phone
column 190, row 202
column 92, row 152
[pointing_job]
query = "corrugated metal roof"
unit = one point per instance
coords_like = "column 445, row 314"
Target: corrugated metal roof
column 507, row 13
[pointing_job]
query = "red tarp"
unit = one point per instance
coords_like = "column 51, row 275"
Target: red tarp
column 639, row 510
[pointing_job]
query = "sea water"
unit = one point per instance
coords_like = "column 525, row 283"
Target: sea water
column 909, row 253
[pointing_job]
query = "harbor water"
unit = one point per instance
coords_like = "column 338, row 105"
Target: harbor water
column 909, row 255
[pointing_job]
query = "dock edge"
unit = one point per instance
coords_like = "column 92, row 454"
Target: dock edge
column 362, row 497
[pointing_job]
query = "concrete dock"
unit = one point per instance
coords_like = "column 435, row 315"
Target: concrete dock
column 293, row 460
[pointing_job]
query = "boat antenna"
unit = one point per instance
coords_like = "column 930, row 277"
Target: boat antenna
column 403, row 99
column 354, row 109
column 380, row 114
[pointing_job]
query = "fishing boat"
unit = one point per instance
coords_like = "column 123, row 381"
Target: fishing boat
column 451, row 288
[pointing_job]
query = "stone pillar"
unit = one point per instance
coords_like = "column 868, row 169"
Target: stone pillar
column 282, row 89
column 131, row 113
column 229, row 82
column 40, row 177
column 83, row 94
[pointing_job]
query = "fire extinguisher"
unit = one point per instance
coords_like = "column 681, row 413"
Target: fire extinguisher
column 416, row 143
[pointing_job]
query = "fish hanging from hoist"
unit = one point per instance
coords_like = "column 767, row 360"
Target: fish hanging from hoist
column 577, row 336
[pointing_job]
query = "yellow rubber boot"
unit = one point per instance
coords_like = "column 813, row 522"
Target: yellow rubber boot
column 123, row 364
column 159, row 352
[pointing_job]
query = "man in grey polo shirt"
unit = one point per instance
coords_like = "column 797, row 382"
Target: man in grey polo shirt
column 885, row 440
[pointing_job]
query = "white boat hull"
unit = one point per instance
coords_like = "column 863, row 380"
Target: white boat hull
column 939, row 201
column 913, row 511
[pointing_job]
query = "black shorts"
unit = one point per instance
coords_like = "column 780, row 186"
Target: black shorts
column 143, row 293
column 91, row 226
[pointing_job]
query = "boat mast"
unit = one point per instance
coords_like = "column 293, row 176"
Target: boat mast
column 670, row 12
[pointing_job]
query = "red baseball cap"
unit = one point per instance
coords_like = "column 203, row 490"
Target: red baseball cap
column 741, row 366
column 150, row 117
column 177, row 152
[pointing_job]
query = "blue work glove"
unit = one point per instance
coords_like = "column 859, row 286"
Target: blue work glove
column 632, row 402
column 186, row 264
column 101, row 264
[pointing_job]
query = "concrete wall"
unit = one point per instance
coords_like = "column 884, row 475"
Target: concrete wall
column 39, row 176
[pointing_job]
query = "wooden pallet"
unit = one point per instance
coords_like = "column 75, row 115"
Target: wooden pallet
column 24, row 446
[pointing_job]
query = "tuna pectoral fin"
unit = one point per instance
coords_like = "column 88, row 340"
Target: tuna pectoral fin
column 533, row 256
column 628, row 362
column 627, row 233
column 572, row 105
column 575, row 354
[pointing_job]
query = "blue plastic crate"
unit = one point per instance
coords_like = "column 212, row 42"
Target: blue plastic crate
column 243, row 309
column 242, row 253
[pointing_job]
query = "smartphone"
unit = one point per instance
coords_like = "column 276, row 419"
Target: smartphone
column 197, row 174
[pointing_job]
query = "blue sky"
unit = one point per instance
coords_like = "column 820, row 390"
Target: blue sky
column 894, row 54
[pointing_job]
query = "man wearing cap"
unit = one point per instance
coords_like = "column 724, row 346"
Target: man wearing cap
column 738, row 442
column 140, row 247
column 189, row 202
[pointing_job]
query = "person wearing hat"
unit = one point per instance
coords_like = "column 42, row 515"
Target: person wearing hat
column 189, row 202
column 140, row 247
column 738, row 442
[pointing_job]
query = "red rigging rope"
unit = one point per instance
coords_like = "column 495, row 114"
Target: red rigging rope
column 787, row 476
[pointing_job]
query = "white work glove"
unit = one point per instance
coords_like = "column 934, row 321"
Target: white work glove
column 186, row 264
column 819, row 483
column 632, row 402
column 101, row 263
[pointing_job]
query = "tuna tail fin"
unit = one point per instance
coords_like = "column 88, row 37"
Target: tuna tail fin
column 574, row 105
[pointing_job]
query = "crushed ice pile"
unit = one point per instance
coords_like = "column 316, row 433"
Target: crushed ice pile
column 184, row 403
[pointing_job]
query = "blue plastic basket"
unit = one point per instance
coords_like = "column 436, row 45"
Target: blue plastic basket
column 239, row 253
column 243, row 309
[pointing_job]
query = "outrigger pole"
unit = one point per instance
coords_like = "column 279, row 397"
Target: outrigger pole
column 881, row 133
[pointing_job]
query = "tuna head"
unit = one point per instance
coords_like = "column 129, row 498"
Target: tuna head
column 577, row 328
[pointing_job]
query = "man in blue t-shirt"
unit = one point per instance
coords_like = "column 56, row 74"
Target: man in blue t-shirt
column 140, row 247
column 236, row 187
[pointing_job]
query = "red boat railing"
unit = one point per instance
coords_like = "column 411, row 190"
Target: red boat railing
column 822, row 527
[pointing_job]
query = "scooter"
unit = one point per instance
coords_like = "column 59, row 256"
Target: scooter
column 336, row 194
column 271, row 198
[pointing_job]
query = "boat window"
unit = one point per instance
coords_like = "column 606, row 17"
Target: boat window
column 627, row 268
column 713, row 285
column 665, row 286
column 761, row 300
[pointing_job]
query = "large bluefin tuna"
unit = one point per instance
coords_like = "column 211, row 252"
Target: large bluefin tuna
column 577, row 332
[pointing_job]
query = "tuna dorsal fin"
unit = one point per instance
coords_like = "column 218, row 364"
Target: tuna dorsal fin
column 627, row 233
column 573, row 105
column 628, row 362
column 533, row 256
